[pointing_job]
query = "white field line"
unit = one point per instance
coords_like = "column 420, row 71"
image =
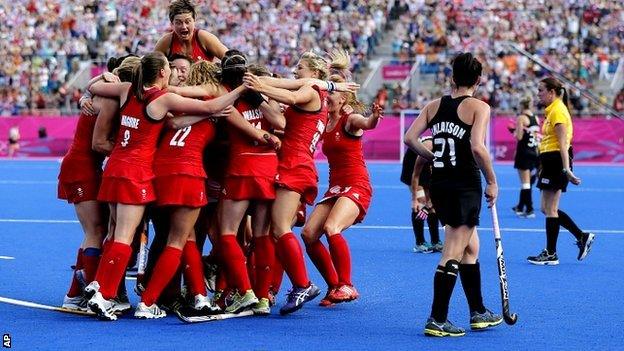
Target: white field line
column 360, row 226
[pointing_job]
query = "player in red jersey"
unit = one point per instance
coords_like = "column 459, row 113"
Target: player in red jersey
column 296, row 177
column 185, row 39
column 79, row 182
column 127, row 179
column 347, row 198
column 249, row 186
column 180, row 194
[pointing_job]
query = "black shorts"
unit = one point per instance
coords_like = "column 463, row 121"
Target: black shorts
column 551, row 175
column 456, row 206
column 408, row 167
column 12, row 141
column 526, row 160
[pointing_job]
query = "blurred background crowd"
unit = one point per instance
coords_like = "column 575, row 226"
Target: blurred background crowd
column 46, row 43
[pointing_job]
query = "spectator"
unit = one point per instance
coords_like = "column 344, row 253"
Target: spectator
column 618, row 103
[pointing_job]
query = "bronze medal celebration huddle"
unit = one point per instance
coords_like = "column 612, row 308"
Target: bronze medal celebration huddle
column 206, row 145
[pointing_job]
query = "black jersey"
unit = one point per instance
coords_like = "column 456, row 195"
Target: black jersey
column 528, row 145
column 453, row 163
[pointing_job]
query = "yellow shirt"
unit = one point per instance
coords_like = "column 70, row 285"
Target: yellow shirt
column 556, row 113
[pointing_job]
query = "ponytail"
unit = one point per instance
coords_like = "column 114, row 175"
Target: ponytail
column 564, row 96
column 340, row 63
column 147, row 71
column 137, row 81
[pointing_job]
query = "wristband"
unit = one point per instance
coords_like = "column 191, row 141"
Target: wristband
column 420, row 193
column 565, row 171
column 330, row 86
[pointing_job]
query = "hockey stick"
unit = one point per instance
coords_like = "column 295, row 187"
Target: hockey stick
column 510, row 318
column 44, row 307
column 142, row 259
column 200, row 318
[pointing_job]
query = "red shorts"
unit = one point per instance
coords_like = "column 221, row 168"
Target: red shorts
column 180, row 190
column 126, row 191
column 249, row 188
column 301, row 179
column 78, row 191
column 253, row 165
column 79, row 179
column 361, row 195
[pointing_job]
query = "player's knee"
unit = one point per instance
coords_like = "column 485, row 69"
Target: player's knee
column 308, row 236
column 331, row 228
column 450, row 267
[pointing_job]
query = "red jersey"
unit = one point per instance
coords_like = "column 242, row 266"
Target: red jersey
column 247, row 157
column 242, row 144
column 345, row 156
column 180, row 151
column 81, row 151
column 198, row 51
column 303, row 131
column 133, row 154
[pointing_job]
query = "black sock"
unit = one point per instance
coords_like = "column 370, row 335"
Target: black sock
column 552, row 232
column 470, row 275
column 432, row 223
column 567, row 222
column 525, row 194
column 443, row 284
column 418, row 225
column 520, row 204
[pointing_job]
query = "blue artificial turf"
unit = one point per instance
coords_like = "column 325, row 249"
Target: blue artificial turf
column 576, row 305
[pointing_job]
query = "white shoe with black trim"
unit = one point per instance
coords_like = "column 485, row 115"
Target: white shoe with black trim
column 78, row 303
column 149, row 312
column 102, row 307
column 203, row 303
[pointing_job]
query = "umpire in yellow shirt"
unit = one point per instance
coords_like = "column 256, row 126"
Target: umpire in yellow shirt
column 556, row 171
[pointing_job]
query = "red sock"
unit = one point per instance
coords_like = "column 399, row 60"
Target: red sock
column 193, row 269
column 322, row 260
column 265, row 255
column 277, row 273
column 112, row 268
column 290, row 253
column 90, row 264
column 221, row 282
column 342, row 257
column 74, row 289
column 234, row 259
column 165, row 268
column 106, row 244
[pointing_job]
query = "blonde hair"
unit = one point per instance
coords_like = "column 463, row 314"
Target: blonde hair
column 259, row 70
column 338, row 63
column 126, row 69
column 526, row 102
column 352, row 100
column 204, row 72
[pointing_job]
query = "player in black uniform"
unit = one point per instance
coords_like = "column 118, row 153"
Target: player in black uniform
column 416, row 174
column 526, row 159
column 458, row 124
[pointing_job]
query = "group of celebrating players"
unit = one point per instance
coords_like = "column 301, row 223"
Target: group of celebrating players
column 228, row 150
